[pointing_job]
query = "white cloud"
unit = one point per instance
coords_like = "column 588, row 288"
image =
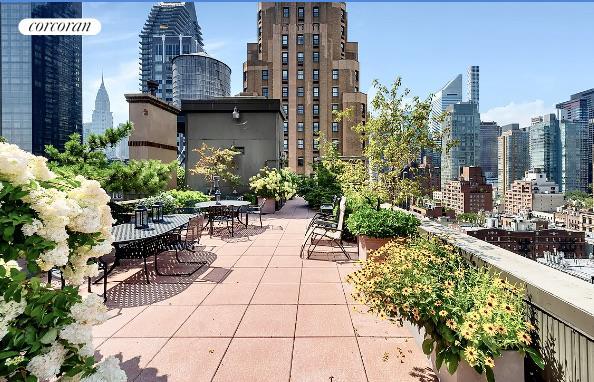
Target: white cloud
column 517, row 112
column 123, row 79
column 215, row 47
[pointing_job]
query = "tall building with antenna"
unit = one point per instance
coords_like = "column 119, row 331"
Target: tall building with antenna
column 472, row 84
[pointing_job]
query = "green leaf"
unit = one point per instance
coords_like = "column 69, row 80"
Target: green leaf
column 439, row 359
column 8, row 354
column 452, row 361
column 535, row 356
column 49, row 336
column 428, row 346
column 489, row 373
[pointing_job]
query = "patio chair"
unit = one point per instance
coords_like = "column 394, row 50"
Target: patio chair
column 324, row 218
column 186, row 239
column 255, row 210
column 316, row 233
column 220, row 214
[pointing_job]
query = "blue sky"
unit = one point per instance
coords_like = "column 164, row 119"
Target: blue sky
column 531, row 55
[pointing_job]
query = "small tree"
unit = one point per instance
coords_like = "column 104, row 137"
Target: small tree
column 215, row 161
column 395, row 134
column 146, row 177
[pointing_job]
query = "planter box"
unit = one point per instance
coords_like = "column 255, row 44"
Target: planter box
column 269, row 207
column 509, row 367
column 367, row 244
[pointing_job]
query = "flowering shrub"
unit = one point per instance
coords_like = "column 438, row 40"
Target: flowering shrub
column 467, row 313
column 274, row 183
column 49, row 222
column 382, row 223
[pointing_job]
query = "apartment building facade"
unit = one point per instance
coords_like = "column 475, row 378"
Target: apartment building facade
column 533, row 193
column 304, row 58
column 512, row 156
column 470, row 193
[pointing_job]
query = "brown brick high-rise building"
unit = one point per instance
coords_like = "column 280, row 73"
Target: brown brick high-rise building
column 303, row 58
column 470, row 193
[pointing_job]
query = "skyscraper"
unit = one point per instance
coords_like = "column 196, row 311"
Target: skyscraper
column 573, row 136
column 580, row 108
column 303, row 57
column 170, row 30
column 462, row 124
column 472, row 84
column 40, row 85
column 448, row 95
column 101, row 120
column 199, row 76
column 512, row 156
column 488, row 133
column 544, row 146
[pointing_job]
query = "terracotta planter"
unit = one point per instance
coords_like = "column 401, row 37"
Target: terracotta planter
column 509, row 368
column 269, row 207
column 367, row 243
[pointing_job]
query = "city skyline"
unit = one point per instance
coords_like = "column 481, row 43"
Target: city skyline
column 515, row 83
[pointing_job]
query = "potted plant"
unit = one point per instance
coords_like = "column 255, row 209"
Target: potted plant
column 470, row 319
column 375, row 227
column 274, row 185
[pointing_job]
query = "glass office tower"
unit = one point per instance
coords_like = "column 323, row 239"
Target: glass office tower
column 40, row 88
column 199, row 76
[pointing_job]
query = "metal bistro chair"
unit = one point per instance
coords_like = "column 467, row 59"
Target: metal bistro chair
column 220, row 214
column 316, row 233
column 255, row 210
column 186, row 239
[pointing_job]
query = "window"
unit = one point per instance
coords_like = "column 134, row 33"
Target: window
column 285, row 144
column 300, row 12
column 316, row 39
column 285, row 57
column 335, row 143
column 342, row 47
column 316, row 127
column 356, row 75
column 300, row 126
column 335, row 127
column 286, row 127
column 300, row 57
column 259, row 32
column 316, row 57
column 342, row 30
column 334, row 107
column 335, row 91
column 300, row 39
column 300, row 91
column 316, row 144
column 286, row 108
column 334, row 74
column 316, row 92
column 300, row 75
column 285, row 92
column 265, row 92
column 316, row 74
column 300, row 144
column 316, row 109
column 300, row 109
column 300, row 162
column 264, row 75
column 316, row 11
column 285, row 40
column 245, row 76
column 286, row 12
column 285, row 75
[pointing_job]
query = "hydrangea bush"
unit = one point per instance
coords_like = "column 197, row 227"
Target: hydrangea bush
column 46, row 222
column 274, row 183
column 467, row 313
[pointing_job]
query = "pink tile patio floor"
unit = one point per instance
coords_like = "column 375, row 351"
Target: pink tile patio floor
column 257, row 313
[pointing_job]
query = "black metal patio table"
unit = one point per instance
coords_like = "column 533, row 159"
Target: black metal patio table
column 225, row 203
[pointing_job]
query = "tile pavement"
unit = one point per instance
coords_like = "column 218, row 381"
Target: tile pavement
column 258, row 312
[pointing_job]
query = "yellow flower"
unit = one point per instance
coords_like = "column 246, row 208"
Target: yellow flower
column 451, row 324
column 502, row 329
column 490, row 329
column 524, row 337
column 508, row 308
column 489, row 362
column 443, row 313
column 471, row 354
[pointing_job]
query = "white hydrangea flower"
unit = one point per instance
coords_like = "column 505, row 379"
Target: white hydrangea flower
column 32, row 228
column 47, row 366
column 9, row 310
column 77, row 333
column 107, row 371
column 91, row 310
column 39, row 169
column 57, row 257
column 14, row 164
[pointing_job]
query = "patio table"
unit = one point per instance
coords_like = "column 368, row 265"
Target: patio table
column 225, row 203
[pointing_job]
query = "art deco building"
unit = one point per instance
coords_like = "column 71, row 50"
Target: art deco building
column 171, row 29
column 304, row 58
column 40, row 84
